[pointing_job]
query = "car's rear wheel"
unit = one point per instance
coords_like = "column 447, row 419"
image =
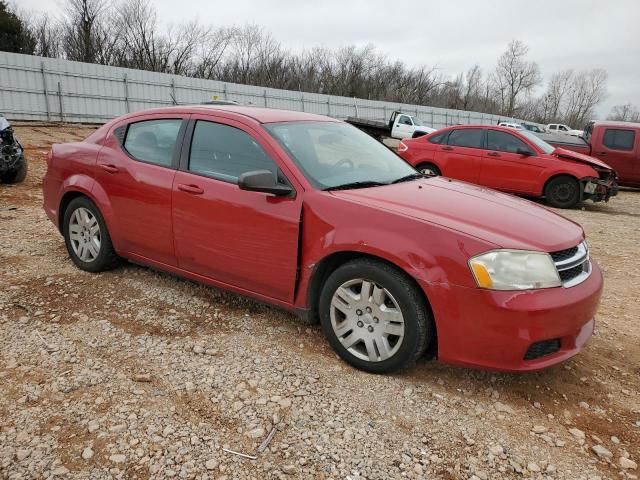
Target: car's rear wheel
column 374, row 316
column 16, row 176
column 86, row 237
column 563, row 192
column 429, row 169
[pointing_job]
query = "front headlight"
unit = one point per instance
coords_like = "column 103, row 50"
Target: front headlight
column 514, row 270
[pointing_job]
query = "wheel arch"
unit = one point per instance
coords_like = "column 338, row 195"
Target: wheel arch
column 334, row 260
column 99, row 198
column 428, row 162
column 66, row 199
column 556, row 175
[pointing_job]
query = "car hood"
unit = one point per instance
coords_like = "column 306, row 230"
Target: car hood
column 580, row 157
column 503, row 220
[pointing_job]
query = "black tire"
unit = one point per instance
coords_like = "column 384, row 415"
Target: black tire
column 16, row 176
column 563, row 192
column 107, row 257
column 418, row 323
column 430, row 166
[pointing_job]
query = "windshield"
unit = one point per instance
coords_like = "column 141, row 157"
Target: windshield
column 331, row 154
column 418, row 122
column 541, row 144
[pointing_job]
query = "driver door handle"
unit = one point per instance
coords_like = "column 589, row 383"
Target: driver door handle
column 447, row 147
column 107, row 167
column 493, row 154
column 192, row 189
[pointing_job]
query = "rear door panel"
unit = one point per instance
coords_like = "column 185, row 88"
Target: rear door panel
column 459, row 162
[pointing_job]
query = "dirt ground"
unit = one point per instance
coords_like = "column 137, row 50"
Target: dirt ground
column 139, row 374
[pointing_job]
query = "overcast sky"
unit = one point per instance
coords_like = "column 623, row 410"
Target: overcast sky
column 451, row 34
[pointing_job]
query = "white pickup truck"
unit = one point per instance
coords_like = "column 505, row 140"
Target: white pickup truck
column 400, row 126
column 561, row 128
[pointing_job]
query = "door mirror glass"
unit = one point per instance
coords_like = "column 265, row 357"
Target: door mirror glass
column 263, row 181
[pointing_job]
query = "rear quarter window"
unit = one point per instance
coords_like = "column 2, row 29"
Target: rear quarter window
column 618, row 139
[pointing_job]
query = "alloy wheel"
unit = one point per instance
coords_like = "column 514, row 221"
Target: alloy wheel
column 84, row 233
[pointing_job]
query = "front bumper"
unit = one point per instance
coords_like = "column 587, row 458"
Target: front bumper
column 599, row 190
column 497, row 330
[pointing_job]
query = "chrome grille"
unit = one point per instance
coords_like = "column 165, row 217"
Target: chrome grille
column 573, row 264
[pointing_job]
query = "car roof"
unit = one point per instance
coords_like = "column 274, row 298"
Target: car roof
column 259, row 114
column 616, row 123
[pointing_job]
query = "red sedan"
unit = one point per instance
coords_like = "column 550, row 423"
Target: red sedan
column 310, row 214
column 514, row 161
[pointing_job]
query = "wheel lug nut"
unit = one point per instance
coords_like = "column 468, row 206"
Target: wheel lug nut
column 375, row 319
column 370, row 328
column 359, row 312
column 368, row 309
column 360, row 324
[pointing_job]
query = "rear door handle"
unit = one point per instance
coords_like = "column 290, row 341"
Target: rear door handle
column 447, row 147
column 493, row 154
column 602, row 153
column 192, row 189
column 107, row 167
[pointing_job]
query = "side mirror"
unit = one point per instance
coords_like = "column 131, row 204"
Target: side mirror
column 263, row 181
column 524, row 151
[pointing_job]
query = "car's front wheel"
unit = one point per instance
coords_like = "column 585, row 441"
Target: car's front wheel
column 86, row 236
column 374, row 316
column 563, row 192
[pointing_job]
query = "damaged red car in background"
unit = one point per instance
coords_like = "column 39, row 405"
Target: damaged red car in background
column 513, row 161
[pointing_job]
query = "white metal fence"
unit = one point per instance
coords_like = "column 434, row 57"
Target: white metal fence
column 37, row 88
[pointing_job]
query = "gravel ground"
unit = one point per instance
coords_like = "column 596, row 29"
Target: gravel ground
column 139, row 374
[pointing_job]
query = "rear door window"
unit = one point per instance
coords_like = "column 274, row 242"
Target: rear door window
column 153, row 141
column 225, row 152
column 618, row 139
column 504, row 142
column 467, row 137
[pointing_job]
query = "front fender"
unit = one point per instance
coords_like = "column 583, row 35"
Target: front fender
column 429, row 253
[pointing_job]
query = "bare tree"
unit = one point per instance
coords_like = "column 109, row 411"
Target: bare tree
column 210, row 53
column 586, row 91
column 555, row 97
column 81, row 36
column 514, row 77
column 625, row 113
column 47, row 35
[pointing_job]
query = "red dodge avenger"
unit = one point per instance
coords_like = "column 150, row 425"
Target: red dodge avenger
column 310, row 214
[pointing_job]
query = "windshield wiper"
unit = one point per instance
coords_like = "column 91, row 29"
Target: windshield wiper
column 349, row 186
column 408, row 178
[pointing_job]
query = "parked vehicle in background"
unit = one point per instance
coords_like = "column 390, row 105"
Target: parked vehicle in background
column 561, row 128
column 515, row 126
column 400, row 125
column 13, row 166
column 616, row 143
column 533, row 128
column 514, row 161
column 313, row 215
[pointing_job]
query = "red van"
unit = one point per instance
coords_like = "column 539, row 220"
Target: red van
column 310, row 214
column 513, row 161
